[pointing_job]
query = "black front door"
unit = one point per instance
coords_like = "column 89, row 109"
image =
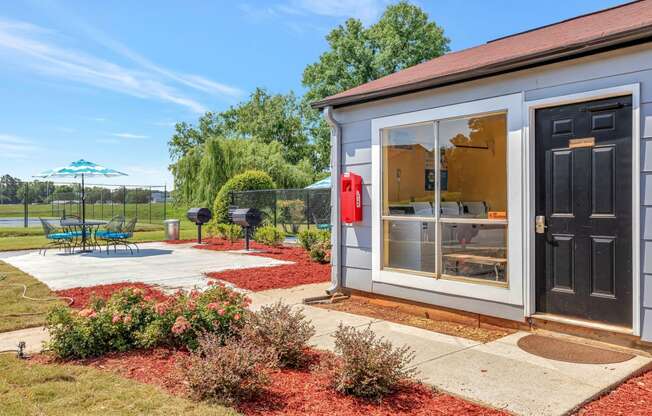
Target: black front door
column 584, row 193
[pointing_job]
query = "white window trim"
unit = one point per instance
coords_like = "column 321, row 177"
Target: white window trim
column 513, row 292
column 529, row 108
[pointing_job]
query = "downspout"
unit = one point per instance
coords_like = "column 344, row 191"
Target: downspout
column 336, row 229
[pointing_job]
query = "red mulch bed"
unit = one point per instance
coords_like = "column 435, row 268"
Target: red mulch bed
column 82, row 295
column 292, row 392
column 632, row 398
column 302, row 271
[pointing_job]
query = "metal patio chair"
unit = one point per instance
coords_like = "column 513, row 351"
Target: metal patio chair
column 121, row 237
column 56, row 238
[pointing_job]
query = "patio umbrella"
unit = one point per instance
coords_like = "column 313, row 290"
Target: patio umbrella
column 322, row 184
column 84, row 169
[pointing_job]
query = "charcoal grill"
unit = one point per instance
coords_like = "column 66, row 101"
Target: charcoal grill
column 247, row 218
column 199, row 216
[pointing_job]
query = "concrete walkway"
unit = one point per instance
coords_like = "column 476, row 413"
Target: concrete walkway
column 171, row 266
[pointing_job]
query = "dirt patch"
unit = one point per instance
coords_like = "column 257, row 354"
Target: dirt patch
column 82, row 295
column 292, row 392
column 302, row 271
column 570, row 352
column 361, row 306
column 632, row 398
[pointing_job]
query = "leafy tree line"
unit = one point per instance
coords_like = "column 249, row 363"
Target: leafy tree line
column 14, row 191
column 281, row 134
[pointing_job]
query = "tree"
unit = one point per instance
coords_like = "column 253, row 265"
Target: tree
column 267, row 117
column 9, row 190
column 403, row 37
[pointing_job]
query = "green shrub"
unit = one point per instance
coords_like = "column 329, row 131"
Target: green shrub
column 128, row 320
column 320, row 251
column 282, row 329
column 269, row 236
column 308, row 238
column 371, row 367
column 227, row 372
column 216, row 229
column 232, row 232
column 250, row 180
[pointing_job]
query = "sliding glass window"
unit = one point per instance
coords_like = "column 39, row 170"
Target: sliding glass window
column 445, row 198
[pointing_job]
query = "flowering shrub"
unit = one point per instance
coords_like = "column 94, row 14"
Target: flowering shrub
column 130, row 320
column 309, row 237
column 227, row 371
column 371, row 367
column 283, row 330
column 320, row 251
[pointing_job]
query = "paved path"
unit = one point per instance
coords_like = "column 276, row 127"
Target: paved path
column 171, row 266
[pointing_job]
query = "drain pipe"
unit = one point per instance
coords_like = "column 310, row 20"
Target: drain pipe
column 336, row 229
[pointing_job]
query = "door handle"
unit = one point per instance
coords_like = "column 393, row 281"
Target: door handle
column 540, row 224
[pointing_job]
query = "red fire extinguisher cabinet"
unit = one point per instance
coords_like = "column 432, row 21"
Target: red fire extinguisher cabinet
column 351, row 198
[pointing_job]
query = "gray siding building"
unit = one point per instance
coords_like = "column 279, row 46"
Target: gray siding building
column 512, row 180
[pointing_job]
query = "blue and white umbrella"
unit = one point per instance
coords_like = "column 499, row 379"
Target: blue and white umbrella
column 322, row 184
column 81, row 169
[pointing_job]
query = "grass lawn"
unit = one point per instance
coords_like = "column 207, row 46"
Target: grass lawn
column 11, row 301
column 62, row 390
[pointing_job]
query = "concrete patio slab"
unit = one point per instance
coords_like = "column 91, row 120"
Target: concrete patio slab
column 291, row 296
column 167, row 265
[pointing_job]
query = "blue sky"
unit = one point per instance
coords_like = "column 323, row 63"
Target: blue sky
column 107, row 80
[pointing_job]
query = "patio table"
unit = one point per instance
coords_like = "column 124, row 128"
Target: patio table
column 86, row 229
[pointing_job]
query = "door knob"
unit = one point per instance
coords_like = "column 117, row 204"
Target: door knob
column 540, row 224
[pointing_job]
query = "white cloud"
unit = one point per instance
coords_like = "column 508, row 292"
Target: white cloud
column 15, row 147
column 129, row 136
column 34, row 48
column 107, row 141
column 367, row 11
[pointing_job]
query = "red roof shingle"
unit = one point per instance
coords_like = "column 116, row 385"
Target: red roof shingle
column 564, row 39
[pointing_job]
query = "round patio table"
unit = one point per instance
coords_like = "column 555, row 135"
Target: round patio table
column 87, row 229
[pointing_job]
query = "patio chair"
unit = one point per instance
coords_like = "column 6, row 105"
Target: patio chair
column 114, row 225
column 55, row 237
column 122, row 237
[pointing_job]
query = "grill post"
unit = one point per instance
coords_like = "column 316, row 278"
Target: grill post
column 198, row 233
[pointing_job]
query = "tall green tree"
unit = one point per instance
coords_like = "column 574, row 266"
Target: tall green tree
column 403, row 37
column 267, row 117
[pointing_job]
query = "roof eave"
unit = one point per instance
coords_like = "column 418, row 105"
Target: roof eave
column 536, row 59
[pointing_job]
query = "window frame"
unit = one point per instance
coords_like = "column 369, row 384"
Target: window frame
column 508, row 292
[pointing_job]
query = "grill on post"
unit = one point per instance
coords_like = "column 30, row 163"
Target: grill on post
column 247, row 218
column 199, row 216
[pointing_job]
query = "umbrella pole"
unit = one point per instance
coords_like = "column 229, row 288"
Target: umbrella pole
column 83, row 198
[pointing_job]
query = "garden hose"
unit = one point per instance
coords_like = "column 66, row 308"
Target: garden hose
column 3, row 276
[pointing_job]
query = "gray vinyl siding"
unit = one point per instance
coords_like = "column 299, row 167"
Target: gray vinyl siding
column 625, row 66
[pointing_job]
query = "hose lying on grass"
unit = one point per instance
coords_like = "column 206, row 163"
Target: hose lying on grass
column 3, row 276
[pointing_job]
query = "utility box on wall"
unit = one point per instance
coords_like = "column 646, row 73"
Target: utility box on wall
column 351, row 198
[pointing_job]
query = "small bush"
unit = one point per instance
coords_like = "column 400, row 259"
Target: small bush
column 308, row 238
column 217, row 229
column 371, row 367
column 270, row 236
column 129, row 320
column 227, row 372
column 320, row 251
column 283, row 330
column 232, row 232
column 250, row 180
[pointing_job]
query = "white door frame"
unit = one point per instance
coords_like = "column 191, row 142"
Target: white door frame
column 529, row 108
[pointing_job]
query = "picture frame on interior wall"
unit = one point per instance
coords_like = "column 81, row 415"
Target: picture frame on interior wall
column 512, row 293
column 529, row 108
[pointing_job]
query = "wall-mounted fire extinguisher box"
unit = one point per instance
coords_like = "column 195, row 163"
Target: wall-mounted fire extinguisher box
column 351, row 198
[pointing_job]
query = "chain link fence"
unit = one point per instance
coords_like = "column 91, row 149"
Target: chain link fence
column 290, row 209
column 23, row 203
